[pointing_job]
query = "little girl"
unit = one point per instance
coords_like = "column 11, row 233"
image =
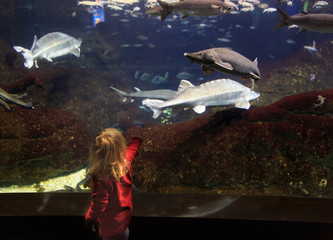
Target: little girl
column 111, row 172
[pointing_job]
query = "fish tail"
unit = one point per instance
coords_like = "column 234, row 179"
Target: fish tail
column 120, row 93
column 154, row 105
column 284, row 19
column 166, row 9
column 29, row 60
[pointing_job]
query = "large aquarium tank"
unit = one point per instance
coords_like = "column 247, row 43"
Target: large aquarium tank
column 251, row 115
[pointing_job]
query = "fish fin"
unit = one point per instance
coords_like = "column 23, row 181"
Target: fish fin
column 2, row 102
column 49, row 59
column 154, row 105
column 199, row 109
column 284, row 19
column 207, row 70
column 256, row 61
column 137, row 89
column 184, row 16
column 165, row 9
column 301, row 30
column 254, row 76
column 243, row 104
column 34, row 43
column 76, row 52
column 35, row 64
column 304, row 12
column 215, row 6
column 183, row 85
column 225, row 65
column 29, row 60
column 120, row 93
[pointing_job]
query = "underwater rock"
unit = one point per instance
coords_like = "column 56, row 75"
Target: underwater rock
column 21, row 85
column 39, row 144
column 285, row 149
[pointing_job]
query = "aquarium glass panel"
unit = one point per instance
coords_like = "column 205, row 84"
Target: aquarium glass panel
column 231, row 97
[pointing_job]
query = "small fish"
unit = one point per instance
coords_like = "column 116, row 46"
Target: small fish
column 223, row 40
column 312, row 49
column 114, row 7
column 288, row 2
column 157, row 79
column 245, row 4
column 247, row 9
column 135, row 9
column 312, row 77
column 220, row 92
column 142, row 37
column 195, row 8
column 292, row 26
column 321, row 22
column 184, row 75
column 137, row 74
column 90, row 3
column 290, row 41
column 151, row 45
column 269, row 10
column 321, row 100
column 263, row 5
column 320, row 4
column 146, row 76
column 50, row 46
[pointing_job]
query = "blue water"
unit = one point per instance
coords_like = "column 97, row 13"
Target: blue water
column 250, row 34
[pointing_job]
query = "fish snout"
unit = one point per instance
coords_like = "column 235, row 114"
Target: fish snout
column 191, row 56
column 227, row 9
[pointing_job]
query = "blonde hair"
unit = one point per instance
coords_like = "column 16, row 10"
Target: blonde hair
column 108, row 155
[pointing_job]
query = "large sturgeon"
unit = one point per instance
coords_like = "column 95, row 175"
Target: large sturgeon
column 220, row 92
column 51, row 45
column 195, row 8
column 159, row 94
column 225, row 60
column 321, row 22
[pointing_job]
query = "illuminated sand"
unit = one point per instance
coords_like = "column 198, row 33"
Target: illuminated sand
column 51, row 185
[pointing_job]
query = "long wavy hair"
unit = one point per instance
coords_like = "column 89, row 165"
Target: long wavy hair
column 108, row 155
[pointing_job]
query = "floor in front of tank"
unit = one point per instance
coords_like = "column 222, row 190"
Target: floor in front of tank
column 171, row 216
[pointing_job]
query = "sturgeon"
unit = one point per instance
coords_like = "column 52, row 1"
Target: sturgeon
column 15, row 98
column 51, row 45
column 220, row 92
column 159, row 93
column 320, row 22
column 227, row 61
column 195, row 8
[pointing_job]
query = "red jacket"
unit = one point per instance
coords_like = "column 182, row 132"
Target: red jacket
column 111, row 203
